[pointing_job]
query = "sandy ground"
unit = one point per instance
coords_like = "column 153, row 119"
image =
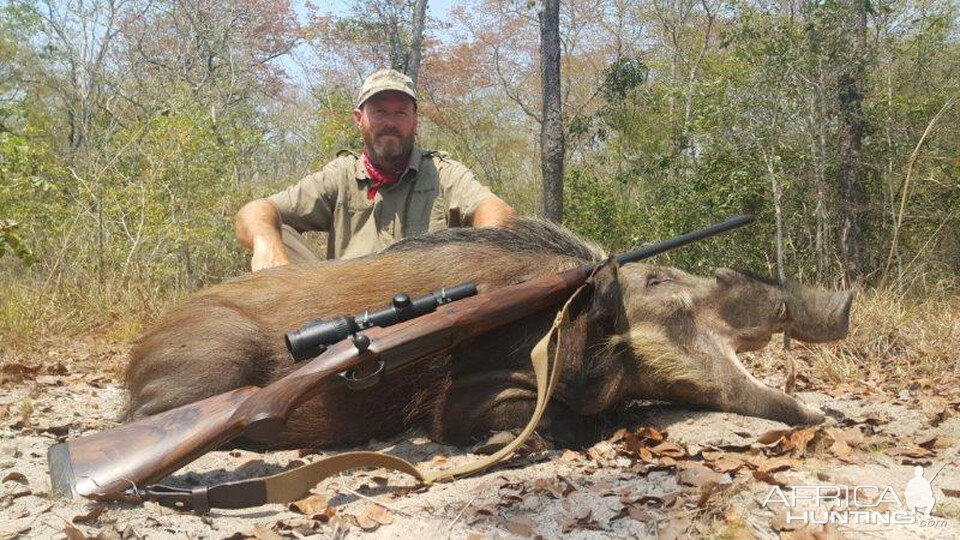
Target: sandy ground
column 668, row 473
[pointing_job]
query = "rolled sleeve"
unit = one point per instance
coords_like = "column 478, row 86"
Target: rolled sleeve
column 463, row 191
column 307, row 205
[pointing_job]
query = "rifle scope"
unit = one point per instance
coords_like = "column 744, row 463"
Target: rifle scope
column 313, row 338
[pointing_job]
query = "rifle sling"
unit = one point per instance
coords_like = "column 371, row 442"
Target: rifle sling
column 296, row 483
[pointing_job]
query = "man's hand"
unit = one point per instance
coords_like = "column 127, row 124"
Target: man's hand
column 267, row 254
column 258, row 227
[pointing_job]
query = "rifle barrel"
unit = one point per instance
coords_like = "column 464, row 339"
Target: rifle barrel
column 666, row 245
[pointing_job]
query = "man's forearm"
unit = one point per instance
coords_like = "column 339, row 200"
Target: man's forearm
column 257, row 220
column 258, row 228
column 492, row 212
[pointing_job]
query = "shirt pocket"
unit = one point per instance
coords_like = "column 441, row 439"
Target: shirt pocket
column 421, row 210
column 361, row 212
column 438, row 215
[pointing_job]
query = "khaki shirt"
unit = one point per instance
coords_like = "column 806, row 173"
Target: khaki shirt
column 435, row 192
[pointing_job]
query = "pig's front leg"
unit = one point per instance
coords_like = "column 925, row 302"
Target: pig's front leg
column 734, row 389
column 475, row 406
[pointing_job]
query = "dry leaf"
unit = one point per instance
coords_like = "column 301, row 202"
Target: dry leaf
column 16, row 494
column 712, row 455
column 92, row 515
column 668, row 449
column 927, row 441
column 800, row 439
column 706, row 491
column 262, row 531
column 379, row 514
column 773, row 437
column 650, row 434
column 844, row 440
column 13, row 529
column 602, row 451
column 677, row 528
column 300, row 526
column 768, row 478
column 556, row 488
column 696, row 475
column 909, row 452
column 584, row 514
column 936, row 409
column 16, row 477
column 779, row 523
column 311, row 506
column 74, row 533
column 57, row 369
column 366, row 523
column 619, row 435
column 870, row 420
column 521, row 526
column 829, row 532
column 567, row 524
column 637, row 512
column 777, row 464
column 632, row 443
column 16, row 372
column 58, row 431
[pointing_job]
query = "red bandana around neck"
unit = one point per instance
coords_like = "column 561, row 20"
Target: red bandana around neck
column 379, row 176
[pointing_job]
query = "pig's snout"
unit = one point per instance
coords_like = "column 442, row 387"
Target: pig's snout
column 818, row 316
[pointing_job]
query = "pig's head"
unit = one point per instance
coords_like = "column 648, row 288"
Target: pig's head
column 677, row 336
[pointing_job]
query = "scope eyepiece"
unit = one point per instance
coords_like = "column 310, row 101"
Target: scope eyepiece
column 312, row 339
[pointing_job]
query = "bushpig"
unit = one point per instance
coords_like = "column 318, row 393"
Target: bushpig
column 642, row 332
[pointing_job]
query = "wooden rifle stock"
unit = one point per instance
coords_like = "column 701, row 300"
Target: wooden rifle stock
column 105, row 465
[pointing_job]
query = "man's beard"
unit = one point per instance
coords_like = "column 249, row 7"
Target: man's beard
column 389, row 149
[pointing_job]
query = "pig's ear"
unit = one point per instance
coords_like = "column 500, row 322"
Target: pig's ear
column 604, row 280
column 727, row 276
column 606, row 305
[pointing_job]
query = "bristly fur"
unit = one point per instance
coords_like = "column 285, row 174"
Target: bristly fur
column 520, row 235
column 765, row 279
column 661, row 359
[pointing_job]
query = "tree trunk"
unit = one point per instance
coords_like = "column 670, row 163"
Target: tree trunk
column 852, row 173
column 551, row 129
column 416, row 40
column 791, row 379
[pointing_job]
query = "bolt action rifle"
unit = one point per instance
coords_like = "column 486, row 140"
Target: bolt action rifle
column 122, row 462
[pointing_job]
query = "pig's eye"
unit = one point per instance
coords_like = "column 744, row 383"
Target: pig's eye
column 653, row 281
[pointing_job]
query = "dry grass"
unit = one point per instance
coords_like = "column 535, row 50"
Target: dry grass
column 91, row 323
column 906, row 337
column 895, row 336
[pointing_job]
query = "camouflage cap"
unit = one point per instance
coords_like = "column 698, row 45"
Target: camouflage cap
column 385, row 79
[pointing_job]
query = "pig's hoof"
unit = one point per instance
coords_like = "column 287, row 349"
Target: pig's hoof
column 810, row 416
column 499, row 439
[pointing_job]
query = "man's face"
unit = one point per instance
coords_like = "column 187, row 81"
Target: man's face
column 388, row 123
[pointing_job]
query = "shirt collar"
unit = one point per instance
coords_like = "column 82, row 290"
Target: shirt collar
column 416, row 154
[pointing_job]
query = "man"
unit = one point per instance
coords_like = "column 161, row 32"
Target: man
column 365, row 202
